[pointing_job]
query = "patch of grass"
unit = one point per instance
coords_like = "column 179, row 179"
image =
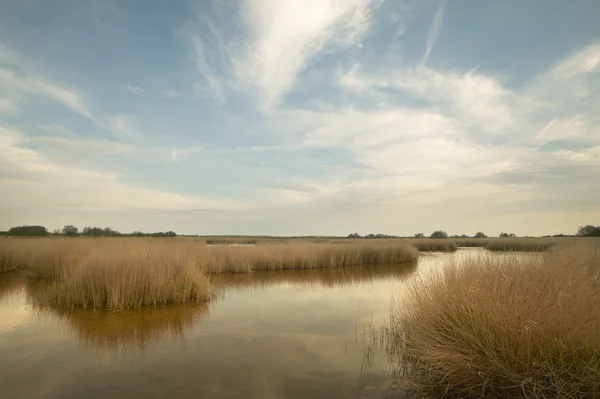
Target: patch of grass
column 524, row 327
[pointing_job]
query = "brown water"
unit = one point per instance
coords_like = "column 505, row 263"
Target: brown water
column 292, row 334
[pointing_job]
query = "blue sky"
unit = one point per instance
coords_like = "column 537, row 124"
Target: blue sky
column 301, row 117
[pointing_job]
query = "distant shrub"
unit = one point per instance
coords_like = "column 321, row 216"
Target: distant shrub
column 439, row 234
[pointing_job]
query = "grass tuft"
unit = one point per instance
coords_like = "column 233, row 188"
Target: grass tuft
column 503, row 327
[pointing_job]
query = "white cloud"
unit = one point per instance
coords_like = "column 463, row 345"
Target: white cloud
column 282, row 38
column 179, row 153
column 138, row 91
column 122, row 128
column 286, row 35
column 474, row 97
column 435, row 30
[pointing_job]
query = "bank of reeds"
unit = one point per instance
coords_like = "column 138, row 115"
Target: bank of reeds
column 503, row 327
column 520, row 244
column 121, row 273
column 434, row 244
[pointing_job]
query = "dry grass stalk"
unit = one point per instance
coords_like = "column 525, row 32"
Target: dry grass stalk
column 505, row 328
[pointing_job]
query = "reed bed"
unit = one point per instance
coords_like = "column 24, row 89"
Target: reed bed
column 521, row 244
column 434, row 244
column 504, row 327
column 312, row 256
column 123, row 273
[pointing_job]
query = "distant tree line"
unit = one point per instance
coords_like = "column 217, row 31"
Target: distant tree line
column 30, row 231
column 72, row 231
column 356, row 235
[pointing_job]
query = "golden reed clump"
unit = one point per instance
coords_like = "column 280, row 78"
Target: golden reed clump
column 121, row 273
column 524, row 327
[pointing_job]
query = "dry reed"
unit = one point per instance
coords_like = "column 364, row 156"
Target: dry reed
column 497, row 327
column 434, row 244
column 121, row 273
column 520, row 244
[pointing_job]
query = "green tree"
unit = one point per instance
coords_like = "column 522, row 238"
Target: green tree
column 588, row 231
column 70, row 231
column 507, row 235
column 439, row 234
column 480, row 235
column 419, row 235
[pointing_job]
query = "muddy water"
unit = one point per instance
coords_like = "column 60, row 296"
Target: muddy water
column 293, row 334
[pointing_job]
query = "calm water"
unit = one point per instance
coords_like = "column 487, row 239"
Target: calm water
column 294, row 334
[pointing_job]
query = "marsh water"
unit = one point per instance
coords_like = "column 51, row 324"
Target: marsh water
column 288, row 334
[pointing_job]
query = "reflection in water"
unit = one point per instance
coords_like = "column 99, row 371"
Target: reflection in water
column 119, row 331
column 329, row 278
column 138, row 329
column 266, row 336
column 10, row 285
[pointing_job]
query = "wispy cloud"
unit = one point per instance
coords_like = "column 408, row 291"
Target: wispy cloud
column 64, row 95
column 279, row 40
column 122, row 127
column 138, row 91
column 434, row 30
column 59, row 185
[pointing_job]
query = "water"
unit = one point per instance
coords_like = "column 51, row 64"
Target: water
column 293, row 334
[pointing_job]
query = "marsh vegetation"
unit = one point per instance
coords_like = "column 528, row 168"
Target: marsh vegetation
column 503, row 327
column 128, row 273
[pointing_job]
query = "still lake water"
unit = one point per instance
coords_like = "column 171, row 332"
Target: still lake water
column 289, row 334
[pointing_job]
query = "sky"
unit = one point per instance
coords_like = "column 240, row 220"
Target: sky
column 301, row 117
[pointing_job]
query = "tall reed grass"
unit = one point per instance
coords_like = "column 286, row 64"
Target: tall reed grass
column 521, row 244
column 502, row 327
column 122, row 273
